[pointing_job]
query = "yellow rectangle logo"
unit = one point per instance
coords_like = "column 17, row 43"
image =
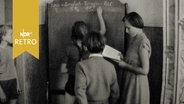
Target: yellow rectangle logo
column 26, row 27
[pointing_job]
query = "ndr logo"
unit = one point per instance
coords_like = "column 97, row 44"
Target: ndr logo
column 25, row 34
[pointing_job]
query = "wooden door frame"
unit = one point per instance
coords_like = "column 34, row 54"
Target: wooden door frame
column 172, row 52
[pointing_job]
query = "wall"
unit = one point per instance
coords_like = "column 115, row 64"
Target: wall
column 5, row 4
column 2, row 14
column 173, row 76
column 43, row 10
column 150, row 10
column 180, row 91
column 8, row 12
column 169, row 52
column 155, row 35
column 32, row 74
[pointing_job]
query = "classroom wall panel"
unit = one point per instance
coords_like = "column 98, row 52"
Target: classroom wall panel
column 155, row 35
column 150, row 10
column 33, row 74
column 8, row 12
column 2, row 12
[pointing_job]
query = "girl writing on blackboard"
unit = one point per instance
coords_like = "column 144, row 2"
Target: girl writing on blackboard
column 135, row 64
column 76, row 52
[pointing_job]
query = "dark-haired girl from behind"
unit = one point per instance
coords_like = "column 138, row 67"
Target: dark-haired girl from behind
column 96, row 80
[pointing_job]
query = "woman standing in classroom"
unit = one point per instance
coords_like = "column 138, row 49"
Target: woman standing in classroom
column 135, row 64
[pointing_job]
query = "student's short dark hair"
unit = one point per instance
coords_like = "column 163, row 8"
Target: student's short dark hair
column 95, row 42
column 77, row 33
column 3, row 29
column 134, row 19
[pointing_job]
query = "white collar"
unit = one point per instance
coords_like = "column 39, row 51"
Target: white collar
column 95, row 55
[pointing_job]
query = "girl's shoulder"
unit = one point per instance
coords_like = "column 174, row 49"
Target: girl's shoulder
column 144, row 42
column 142, row 38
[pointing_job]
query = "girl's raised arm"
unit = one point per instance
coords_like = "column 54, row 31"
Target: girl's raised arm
column 101, row 21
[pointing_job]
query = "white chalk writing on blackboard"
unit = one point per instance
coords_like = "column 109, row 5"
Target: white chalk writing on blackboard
column 88, row 6
column 74, row 3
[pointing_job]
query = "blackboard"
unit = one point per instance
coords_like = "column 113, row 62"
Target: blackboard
column 62, row 15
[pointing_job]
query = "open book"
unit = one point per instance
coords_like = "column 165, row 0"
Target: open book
column 110, row 52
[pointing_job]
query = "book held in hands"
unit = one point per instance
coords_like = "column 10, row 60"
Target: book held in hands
column 111, row 53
